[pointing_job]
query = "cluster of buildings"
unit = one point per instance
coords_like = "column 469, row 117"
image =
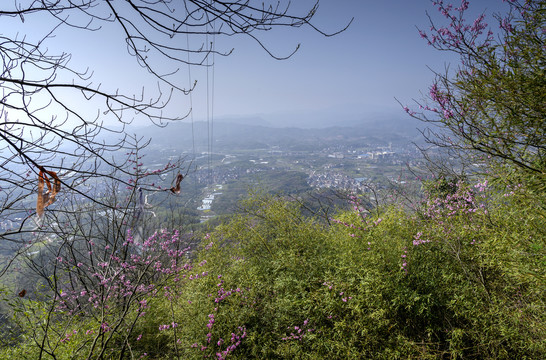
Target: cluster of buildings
column 207, row 201
column 6, row 225
column 336, row 180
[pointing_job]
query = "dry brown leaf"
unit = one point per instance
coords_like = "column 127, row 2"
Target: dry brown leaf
column 47, row 198
column 176, row 188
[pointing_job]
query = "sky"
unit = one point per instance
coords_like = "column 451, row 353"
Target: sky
column 354, row 76
column 351, row 76
column 358, row 72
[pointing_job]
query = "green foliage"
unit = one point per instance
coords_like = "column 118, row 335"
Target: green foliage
column 275, row 181
column 463, row 278
column 468, row 284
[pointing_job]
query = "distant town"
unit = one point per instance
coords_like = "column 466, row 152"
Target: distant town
column 283, row 161
column 292, row 161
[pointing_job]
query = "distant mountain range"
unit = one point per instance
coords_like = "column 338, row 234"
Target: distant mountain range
column 230, row 134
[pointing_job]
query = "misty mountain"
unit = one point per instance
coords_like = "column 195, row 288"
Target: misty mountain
column 227, row 135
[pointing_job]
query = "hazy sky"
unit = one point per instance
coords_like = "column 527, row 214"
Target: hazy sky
column 357, row 73
column 354, row 75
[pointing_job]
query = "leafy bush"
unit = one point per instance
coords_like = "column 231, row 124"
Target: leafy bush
column 462, row 278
